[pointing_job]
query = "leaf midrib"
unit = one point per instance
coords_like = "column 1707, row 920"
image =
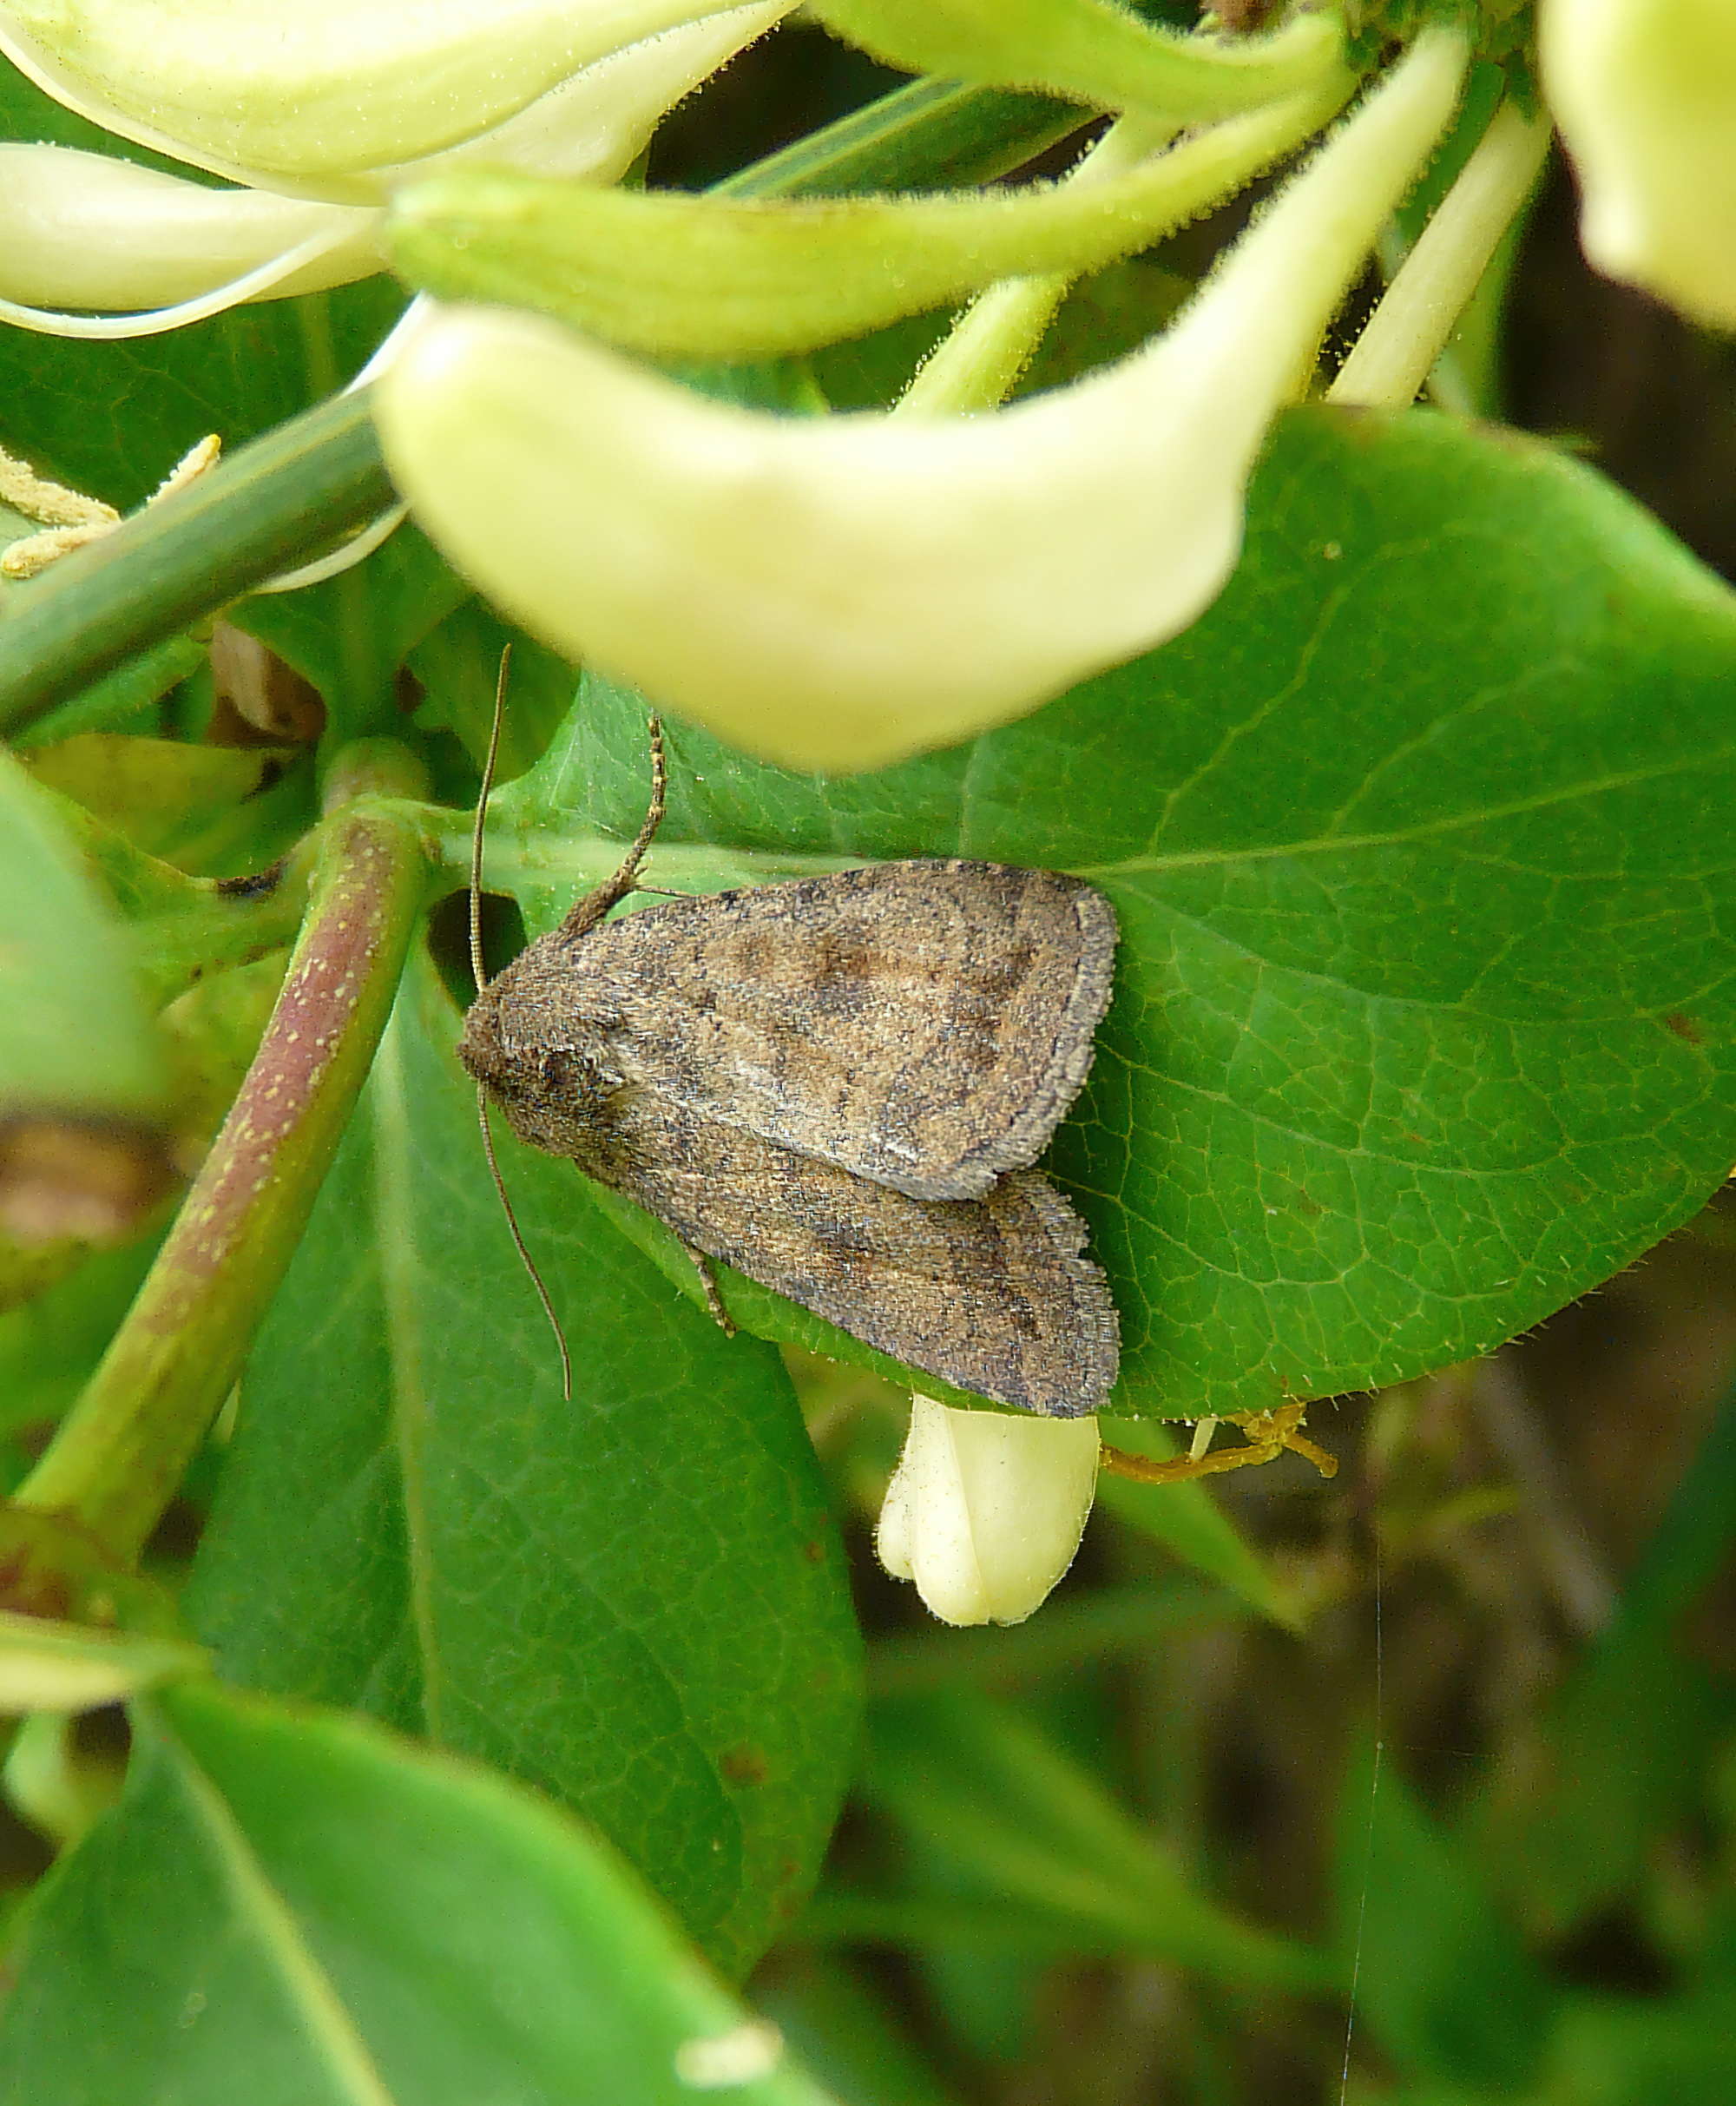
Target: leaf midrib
column 329, row 2026
column 397, row 1257
column 583, row 858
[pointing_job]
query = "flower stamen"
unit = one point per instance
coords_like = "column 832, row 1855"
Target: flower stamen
column 70, row 519
column 1268, row 1434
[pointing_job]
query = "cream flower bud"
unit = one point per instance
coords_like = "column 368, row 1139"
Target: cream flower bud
column 327, row 97
column 1644, row 92
column 984, row 1512
column 841, row 592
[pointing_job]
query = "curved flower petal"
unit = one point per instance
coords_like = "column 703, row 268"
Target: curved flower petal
column 594, row 125
column 984, row 1512
column 1644, row 94
column 1093, row 50
column 841, row 592
column 83, row 230
column 312, row 98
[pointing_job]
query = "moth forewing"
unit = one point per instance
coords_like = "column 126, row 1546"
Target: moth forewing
column 993, row 1295
column 925, row 1024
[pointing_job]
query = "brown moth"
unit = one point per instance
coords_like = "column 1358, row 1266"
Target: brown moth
column 836, row 1085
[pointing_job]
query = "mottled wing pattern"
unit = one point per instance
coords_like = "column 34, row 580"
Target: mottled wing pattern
column 923, row 1024
column 993, row 1295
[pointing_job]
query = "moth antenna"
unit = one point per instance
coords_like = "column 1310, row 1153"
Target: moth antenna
column 479, row 974
column 518, row 1244
column 585, row 913
column 654, row 810
column 478, row 971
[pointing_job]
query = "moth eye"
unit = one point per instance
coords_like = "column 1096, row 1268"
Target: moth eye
column 573, row 1078
column 563, row 1071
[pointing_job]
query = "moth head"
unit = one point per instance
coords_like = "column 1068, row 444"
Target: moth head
column 552, row 1094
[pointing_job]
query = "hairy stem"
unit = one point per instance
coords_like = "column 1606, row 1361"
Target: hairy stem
column 977, row 364
column 1420, row 310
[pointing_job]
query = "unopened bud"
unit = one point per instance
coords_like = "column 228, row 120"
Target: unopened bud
column 984, row 1512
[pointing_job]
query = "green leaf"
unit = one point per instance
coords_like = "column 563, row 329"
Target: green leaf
column 126, row 698
column 457, row 665
column 1426, row 1020
column 59, row 1307
column 161, row 795
column 1441, row 1981
column 74, row 1040
column 999, row 1813
column 111, row 420
column 348, row 636
column 1638, row 2052
column 180, row 929
column 298, row 1910
column 286, row 497
column 634, row 1600
column 1621, row 1757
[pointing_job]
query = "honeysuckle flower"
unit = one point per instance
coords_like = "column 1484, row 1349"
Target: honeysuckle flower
column 984, row 1512
column 84, row 230
column 329, row 98
column 1644, row 92
column 684, row 276
column 322, row 116
column 841, row 592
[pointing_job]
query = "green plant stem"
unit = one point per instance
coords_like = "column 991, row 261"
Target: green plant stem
column 977, row 364
column 285, row 497
column 930, row 134
column 1415, row 321
column 115, row 1464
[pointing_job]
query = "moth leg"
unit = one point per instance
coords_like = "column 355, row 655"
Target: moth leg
column 720, row 1316
column 1267, row 1434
